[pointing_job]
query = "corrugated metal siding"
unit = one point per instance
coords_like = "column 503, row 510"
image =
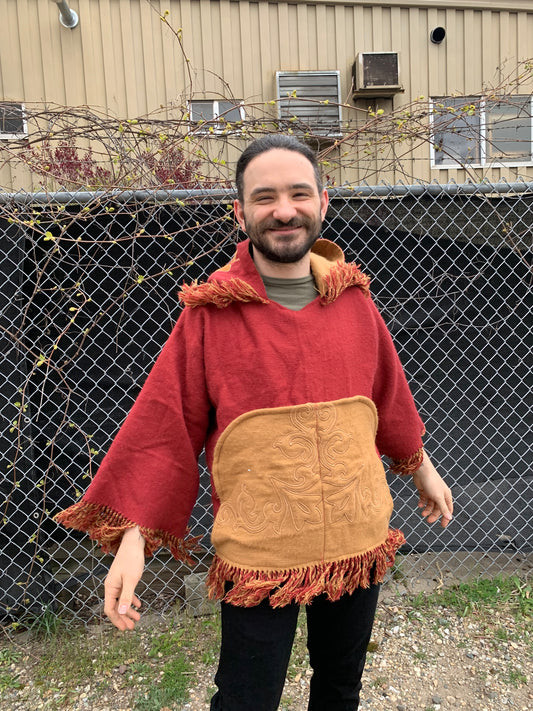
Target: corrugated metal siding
column 124, row 59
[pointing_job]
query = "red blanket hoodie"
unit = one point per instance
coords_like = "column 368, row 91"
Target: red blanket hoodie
column 299, row 403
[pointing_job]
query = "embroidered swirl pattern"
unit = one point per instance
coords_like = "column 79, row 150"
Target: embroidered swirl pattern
column 311, row 471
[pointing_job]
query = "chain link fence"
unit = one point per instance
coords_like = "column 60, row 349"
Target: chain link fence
column 89, row 295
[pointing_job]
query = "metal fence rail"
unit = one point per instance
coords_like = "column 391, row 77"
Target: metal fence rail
column 89, row 284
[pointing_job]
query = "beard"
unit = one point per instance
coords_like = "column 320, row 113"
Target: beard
column 282, row 250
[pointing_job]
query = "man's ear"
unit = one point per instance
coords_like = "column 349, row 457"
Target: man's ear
column 324, row 202
column 239, row 213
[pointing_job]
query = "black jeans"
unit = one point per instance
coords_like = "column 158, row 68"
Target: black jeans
column 256, row 648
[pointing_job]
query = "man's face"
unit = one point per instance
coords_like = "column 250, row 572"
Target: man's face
column 281, row 210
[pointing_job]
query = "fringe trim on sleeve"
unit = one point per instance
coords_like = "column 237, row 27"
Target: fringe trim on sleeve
column 218, row 293
column 408, row 465
column 301, row 585
column 107, row 526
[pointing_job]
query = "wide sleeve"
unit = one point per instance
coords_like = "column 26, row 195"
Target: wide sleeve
column 400, row 427
column 149, row 477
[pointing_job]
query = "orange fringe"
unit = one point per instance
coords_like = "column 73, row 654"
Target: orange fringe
column 301, row 585
column 408, row 465
column 107, row 526
column 342, row 276
column 219, row 293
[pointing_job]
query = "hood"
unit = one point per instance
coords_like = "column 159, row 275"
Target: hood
column 239, row 279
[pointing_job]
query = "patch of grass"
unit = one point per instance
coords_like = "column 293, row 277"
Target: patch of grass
column 172, row 688
column 210, row 629
column 516, row 677
column 167, row 643
column 160, row 666
column 72, row 657
column 502, row 634
column 481, row 595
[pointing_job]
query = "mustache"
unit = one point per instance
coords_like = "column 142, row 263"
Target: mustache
column 279, row 224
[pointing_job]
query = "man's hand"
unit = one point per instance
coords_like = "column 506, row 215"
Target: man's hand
column 121, row 603
column 435, row 496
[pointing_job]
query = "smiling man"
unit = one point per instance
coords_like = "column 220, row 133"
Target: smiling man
column 281, row 366
column 281, row 208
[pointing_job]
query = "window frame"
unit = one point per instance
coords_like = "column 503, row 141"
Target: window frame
column 485, row 160
column 219, row 128
column 4, row 135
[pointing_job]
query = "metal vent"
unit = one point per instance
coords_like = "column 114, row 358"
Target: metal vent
column 311, row 100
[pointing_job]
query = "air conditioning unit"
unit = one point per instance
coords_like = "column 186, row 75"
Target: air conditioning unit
column 376, row 74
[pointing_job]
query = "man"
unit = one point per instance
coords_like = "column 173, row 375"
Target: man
column 281, row 365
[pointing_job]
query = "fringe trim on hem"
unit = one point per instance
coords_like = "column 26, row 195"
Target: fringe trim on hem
column 107, row 526
column 218, row 293
column 340, row 278
column 408, row 465
column 301, row 585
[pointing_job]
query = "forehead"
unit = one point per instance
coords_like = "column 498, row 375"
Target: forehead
column 277, row 167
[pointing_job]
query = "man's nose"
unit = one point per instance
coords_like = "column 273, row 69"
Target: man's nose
column 284, row 209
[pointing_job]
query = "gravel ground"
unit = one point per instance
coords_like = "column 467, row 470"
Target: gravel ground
column 427, row 660
column 421, row 658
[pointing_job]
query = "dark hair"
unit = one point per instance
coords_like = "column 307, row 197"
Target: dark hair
column 268, row 143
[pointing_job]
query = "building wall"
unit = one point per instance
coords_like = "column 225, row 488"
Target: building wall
column 123, row 59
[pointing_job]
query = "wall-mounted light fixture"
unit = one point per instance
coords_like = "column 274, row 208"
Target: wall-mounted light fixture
column 437, row 35
column 67, row 17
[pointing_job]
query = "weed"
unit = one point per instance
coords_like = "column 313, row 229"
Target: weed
column 418, row 602
column 516, row 677
column 299, row 660
column 210, row 692
column 502, row 634
column 397, row 571
column 166, row 644
column 8, row 656
column 139, row 671
column 46, row 624
column 9, row 681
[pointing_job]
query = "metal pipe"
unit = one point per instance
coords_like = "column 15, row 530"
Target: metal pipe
column 83, row 197
column 67, row 17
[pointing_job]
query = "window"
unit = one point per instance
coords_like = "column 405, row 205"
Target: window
column 215, row 116
column 477, row 131
column 12, row 121
column 311, row 101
